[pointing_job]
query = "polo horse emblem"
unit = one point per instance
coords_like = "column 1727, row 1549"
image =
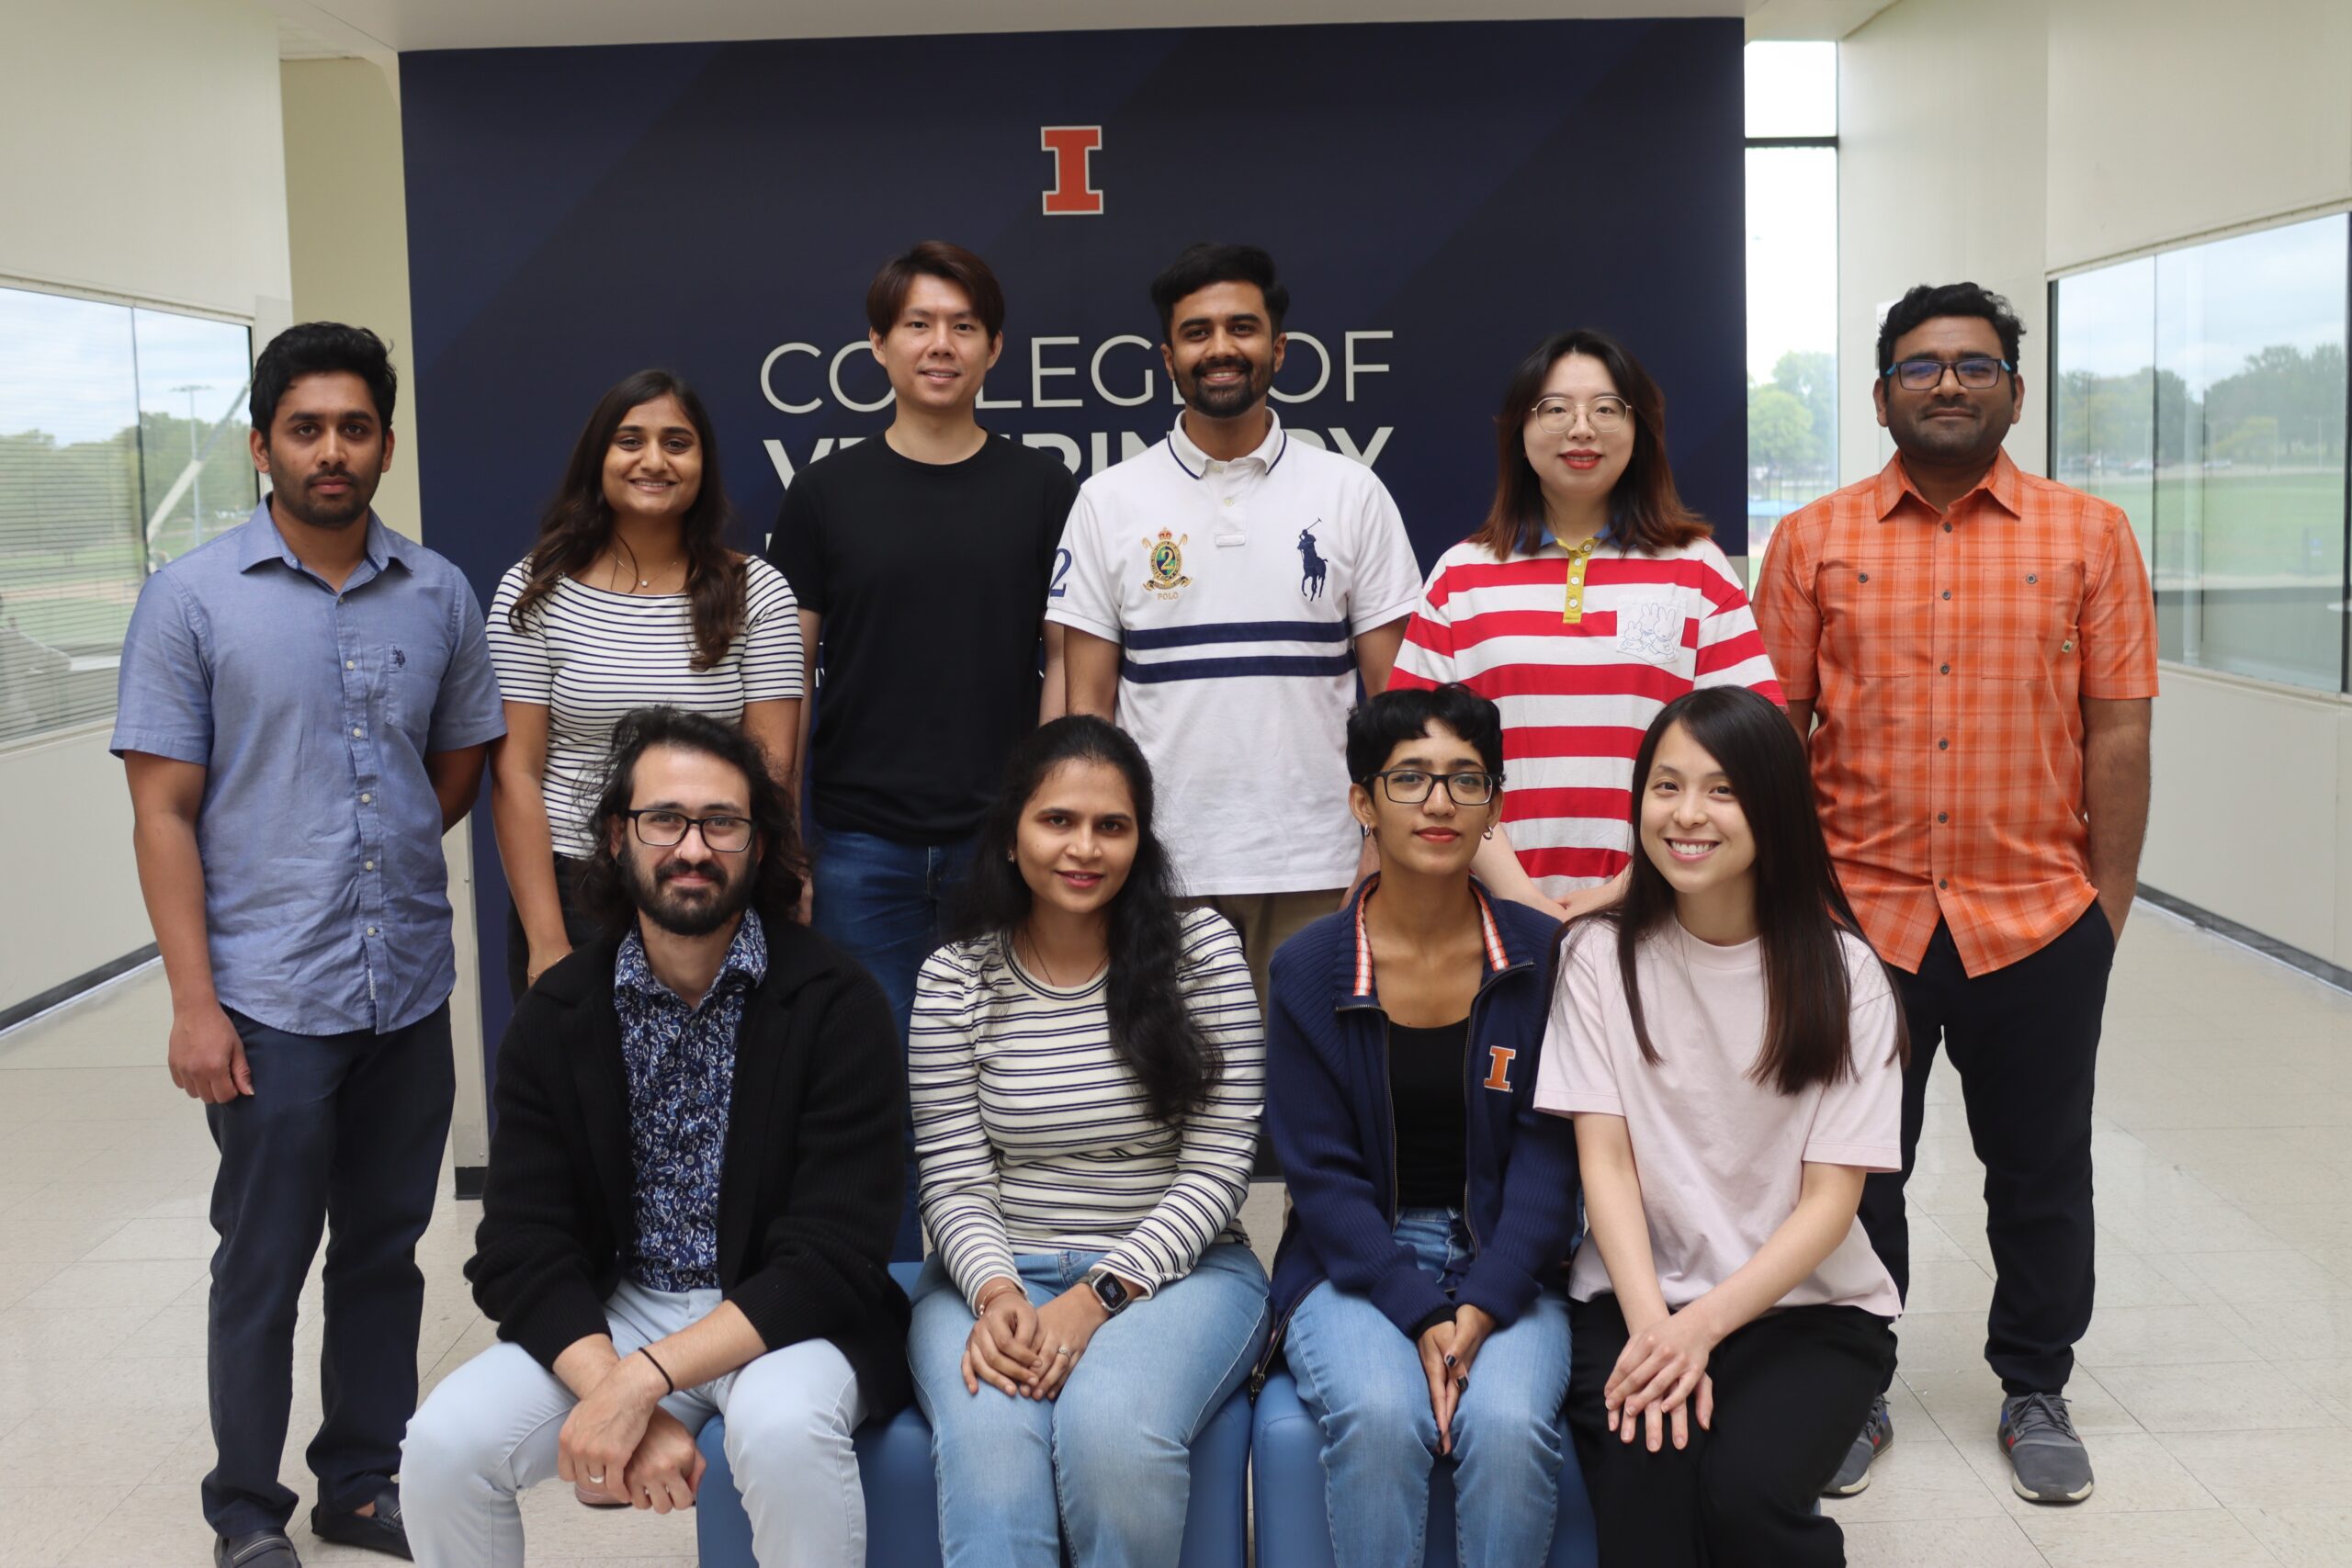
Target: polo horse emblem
column 1314, row 568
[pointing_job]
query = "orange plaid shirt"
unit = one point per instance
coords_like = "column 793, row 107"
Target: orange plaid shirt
column 1947, row 655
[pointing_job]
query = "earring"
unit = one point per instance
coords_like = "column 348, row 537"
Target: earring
column 1489, row 833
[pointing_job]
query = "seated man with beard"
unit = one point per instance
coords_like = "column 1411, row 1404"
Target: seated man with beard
column 694, row 1182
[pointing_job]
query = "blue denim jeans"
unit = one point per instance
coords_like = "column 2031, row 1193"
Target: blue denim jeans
column 885, row 904
column 1364, row 1385
column 1107, row 1466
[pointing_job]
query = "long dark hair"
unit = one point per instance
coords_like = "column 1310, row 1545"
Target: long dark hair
column 578, row 522
column 1802, row 915
column 1151, row 1029
column 603, row 890
column 1646, row 511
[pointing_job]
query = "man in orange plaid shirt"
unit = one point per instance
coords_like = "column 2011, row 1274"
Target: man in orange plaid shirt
column 1978, row 647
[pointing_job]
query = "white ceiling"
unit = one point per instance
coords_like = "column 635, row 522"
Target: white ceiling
column 310, row 29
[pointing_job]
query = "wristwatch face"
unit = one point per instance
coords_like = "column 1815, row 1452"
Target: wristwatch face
column 1110, row 1292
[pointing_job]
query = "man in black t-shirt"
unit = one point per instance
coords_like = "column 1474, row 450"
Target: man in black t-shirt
column 921, row 560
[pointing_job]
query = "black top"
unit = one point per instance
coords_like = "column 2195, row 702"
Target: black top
column 931, row 579
column 809, row 1186
column 1425, row 1069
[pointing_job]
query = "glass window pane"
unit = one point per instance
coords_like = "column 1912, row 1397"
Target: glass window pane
column 193, row 375
column 2103, row 439
column 2250, row 432
column 1791, row 89
column 70, row 560
column 1791, row 332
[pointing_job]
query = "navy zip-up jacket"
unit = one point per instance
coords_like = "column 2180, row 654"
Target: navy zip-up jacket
column 1329, row 1111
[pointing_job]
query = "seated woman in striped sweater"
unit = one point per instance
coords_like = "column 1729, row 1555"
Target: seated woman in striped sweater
column 1086, row 1068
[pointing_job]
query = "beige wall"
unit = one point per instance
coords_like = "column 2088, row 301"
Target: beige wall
column 145, row 162
column 2011, row 139
column 347, row 217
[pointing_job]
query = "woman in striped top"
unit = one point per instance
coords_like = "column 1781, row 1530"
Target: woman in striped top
column 1589, row 599
column 630, row 598
column 1086, row 1068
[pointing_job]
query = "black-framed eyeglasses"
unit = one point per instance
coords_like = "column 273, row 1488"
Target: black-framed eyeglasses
column 1410, row 787
column 1976, row 372
column 659, row 829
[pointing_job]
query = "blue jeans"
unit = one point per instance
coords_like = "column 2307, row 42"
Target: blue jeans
column 885, row 904
column 1364, row 1385
column 1107, row 1465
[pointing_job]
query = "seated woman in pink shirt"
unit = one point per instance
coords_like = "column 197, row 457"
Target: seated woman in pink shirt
column 1731, row 1052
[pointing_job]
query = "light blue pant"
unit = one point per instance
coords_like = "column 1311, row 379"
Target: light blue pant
column 489, row 1433
column 1364, row 1383
column 1108, row 1465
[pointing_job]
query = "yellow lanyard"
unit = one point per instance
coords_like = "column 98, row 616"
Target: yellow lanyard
column 1578, row 557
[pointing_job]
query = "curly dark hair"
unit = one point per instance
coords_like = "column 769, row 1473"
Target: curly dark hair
column 782, row 868
column 1151, row 1029
column 1926, row 301
column 577, row 523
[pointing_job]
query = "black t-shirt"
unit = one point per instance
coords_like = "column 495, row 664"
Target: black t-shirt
column 932, row 579
column 1425, row 1072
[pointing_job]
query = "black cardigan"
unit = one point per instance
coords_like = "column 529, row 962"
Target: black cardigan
column 809, row 1187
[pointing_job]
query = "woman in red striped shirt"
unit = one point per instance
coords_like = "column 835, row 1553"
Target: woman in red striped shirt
column 1589, row 599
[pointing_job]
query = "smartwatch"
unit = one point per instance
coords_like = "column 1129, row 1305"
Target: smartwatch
column 1111, row 1291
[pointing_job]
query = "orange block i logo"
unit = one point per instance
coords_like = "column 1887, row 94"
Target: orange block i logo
column 1072, row 194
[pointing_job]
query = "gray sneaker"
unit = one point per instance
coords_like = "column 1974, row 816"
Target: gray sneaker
column 1854, row 1474
column 2047, row 1460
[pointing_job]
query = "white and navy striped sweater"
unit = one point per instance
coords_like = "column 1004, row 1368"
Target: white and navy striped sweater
column 1033, row 1135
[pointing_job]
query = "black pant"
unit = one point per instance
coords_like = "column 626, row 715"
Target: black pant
column 2025, row 1040
column 577, row 925
column 344, row 1130
column 1791, row 1389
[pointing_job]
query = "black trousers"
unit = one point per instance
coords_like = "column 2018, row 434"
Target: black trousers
column 2025, row 1041
column 343, row 1132
column 576, row 925
column 1791, row 1389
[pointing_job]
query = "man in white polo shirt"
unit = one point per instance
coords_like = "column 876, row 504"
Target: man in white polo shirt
column 1222, row 593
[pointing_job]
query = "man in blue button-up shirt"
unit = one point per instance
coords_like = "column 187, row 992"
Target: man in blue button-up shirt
column 305, row 705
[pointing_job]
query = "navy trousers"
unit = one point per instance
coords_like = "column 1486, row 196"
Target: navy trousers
column 343, row 1132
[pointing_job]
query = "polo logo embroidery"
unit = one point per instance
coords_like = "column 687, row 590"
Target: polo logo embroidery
column 1313, row 567
column 1165, row 558
column 400, row 660
column 1499, row 1061
column 1072, row 194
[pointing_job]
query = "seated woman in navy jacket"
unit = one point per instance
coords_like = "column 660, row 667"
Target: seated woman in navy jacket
column 1418, row 1286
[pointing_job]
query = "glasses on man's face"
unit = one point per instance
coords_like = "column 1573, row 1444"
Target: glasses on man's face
column 1976, row 372
column 659, row 830
column 1410, row 787
column 1556, row 416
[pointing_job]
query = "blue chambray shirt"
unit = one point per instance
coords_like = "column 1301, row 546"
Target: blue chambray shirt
column 681, row 1065
column 326, row 897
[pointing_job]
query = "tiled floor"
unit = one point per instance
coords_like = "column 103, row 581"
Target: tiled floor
column 2215, row 1386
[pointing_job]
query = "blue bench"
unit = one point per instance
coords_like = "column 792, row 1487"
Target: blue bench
column 902, row 1501
column 1295, row 1529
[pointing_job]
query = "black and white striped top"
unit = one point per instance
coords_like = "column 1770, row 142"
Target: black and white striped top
column 1033, row 1136
column 590, row 657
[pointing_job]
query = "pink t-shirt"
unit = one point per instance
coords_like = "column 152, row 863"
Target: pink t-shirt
column 1721, row 1156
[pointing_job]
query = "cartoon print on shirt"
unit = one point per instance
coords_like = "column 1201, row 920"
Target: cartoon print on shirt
column 1650, row 629
column 1315, row 567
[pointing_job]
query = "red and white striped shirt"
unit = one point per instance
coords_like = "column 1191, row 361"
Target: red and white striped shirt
column 1576, row 694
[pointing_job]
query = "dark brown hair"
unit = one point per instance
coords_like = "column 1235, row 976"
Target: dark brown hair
column 604, row 889
column 886, row 295
column 577, row 523
column 1646, row 511
column 1802, row 916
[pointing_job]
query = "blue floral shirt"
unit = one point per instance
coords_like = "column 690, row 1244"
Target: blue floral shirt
column 681, row 1068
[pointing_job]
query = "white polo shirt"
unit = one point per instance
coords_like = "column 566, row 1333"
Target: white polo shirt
column 1235, row 589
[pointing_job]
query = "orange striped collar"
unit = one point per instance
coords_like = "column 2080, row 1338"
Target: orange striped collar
column 1497, row 960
